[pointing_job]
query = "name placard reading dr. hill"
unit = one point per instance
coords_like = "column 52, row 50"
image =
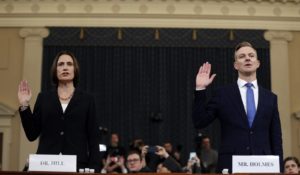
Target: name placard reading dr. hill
column 255, row 164
column 57, row 163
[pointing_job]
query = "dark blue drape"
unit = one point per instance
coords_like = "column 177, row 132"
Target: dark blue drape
column 147, row 92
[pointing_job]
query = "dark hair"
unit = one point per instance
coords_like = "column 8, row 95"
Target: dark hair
column 136, row 144
column 114, row 133
column 134, row 151
column 204, row 137
column 242, row 44
column 53, row 71
column 293, row 159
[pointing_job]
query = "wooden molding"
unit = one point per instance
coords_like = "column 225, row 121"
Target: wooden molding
column 250, row 14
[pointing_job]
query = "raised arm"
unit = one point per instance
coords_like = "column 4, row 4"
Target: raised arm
column 203, row 78
column 202, row 114
column 31, row 122
column 24, row 93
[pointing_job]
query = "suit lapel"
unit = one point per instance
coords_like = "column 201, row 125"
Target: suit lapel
column 74, row 100
column 261, row 99
column 238, row 104
column 55, row 99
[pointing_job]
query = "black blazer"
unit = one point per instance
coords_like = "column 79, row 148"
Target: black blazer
column 237, row 138
column 72, row 133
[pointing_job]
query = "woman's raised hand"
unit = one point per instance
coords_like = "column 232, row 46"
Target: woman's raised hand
column 24, row 93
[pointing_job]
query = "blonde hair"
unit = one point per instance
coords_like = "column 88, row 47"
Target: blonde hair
column 242, row 44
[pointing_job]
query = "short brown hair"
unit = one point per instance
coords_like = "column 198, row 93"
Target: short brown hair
column 53, row 71
column 242, row 44
column 134, row 151
column 293, row 159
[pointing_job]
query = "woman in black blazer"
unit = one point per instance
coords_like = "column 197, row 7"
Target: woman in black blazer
column 64, row 118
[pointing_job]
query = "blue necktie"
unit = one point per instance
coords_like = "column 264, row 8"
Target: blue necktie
column 251, row 110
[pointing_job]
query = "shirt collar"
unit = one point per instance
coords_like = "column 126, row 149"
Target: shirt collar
column 241, row 83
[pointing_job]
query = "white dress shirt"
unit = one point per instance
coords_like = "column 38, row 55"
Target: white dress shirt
column 243, row 90
column 64, row 106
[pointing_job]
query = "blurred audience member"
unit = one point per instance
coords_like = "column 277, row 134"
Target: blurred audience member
column 114, row 165
column 114, row 156
column 168, row 147
column 114, row 147
column 291, row 165
column 208, row 156
column 149, row 157
column 175, row 153
column 137, row 144
column 135, row 164
column 193, row 166
column 169, row 164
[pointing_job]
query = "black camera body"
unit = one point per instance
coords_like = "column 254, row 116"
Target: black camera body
column 152, row 149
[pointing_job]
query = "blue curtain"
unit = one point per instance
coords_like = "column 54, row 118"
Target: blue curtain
column 147, row 92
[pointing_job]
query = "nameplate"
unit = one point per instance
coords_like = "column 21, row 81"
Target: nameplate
column 255, row 164
column 57, row 163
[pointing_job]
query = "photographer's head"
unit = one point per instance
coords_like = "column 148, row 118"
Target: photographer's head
column 169, row 147
column 291, row 165
column 134, row 161
column 137, row 144
column 205, row 142
column 114, row 139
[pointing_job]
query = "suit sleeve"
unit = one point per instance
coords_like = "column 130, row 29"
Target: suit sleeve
column 32, row 121
column 172, row 165
column 93, row 137
column 276, row 135
column 204, row 112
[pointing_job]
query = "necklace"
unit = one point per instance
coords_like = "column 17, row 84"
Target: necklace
column 66, row 98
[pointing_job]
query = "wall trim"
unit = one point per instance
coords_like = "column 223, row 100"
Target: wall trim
column 235, row 14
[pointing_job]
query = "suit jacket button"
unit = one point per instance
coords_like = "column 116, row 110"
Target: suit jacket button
column 251, row 132
column 247, row 148
column 62, row 133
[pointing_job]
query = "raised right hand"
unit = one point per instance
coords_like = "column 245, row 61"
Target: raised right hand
column 161, row 151
column 144, row 150
column 203, row 78
column 24, row 93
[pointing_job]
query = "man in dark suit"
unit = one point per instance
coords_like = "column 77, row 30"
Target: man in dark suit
column 248, row 113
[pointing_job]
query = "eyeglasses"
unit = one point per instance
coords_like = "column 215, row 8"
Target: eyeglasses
column 132, row 160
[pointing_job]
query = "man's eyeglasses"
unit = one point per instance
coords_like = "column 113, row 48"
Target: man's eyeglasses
column 132, row 160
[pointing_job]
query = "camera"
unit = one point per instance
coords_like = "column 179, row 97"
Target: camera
column 152, row 149
column 114, row 159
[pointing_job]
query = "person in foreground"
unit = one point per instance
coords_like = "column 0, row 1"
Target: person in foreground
column 248, row 113
column 291, row 165
column 135, row 164
column 63, row 118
